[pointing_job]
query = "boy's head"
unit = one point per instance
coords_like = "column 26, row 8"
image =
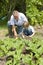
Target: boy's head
column 26, row 24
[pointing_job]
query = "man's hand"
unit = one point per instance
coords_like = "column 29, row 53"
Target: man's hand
column 14, row 31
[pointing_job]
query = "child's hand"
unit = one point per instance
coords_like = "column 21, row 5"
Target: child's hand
column 16, row 38
column 23, row 36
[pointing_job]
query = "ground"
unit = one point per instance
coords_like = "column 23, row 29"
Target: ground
column 38, row 34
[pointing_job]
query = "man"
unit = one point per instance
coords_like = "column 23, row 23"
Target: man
column 15, row 24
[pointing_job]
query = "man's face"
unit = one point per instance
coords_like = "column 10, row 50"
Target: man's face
column 16, row 17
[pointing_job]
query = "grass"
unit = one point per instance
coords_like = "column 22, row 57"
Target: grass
column 3, row 26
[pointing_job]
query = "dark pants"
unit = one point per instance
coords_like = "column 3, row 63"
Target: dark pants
column 10, row 30
column 27, row 32
column 18, row 30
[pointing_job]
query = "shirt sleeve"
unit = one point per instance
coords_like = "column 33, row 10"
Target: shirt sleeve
column 24, row 18
column 31, row 27
column 11, row 21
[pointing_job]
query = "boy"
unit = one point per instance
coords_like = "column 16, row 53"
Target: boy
column 28, row 30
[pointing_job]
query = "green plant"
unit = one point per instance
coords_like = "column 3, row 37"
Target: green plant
column 21, row 51
column 34, row 11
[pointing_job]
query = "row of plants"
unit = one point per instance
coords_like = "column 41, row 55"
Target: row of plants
column 21, row 51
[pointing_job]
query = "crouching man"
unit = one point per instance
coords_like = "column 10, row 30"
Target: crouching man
column 15, row 24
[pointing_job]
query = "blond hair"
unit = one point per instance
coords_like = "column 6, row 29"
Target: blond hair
column 26, row 24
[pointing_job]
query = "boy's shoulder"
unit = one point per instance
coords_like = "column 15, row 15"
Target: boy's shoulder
column 31, row 27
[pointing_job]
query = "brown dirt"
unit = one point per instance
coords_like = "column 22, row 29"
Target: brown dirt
column 38, row 34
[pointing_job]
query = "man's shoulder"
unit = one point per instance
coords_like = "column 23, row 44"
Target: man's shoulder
column 12, row 16
column 21, row 14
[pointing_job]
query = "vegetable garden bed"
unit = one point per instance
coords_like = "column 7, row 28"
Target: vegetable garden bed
column 21, row 51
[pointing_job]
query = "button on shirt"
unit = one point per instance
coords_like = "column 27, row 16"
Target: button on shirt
column 22, row 19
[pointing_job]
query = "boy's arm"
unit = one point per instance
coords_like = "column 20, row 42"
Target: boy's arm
column 23, row 35
column 32, row 34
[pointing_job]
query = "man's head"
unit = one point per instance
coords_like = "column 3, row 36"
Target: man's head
column 26, row 24
column 16, row 15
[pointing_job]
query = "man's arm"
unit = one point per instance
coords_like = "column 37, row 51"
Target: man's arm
column 14, row 30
